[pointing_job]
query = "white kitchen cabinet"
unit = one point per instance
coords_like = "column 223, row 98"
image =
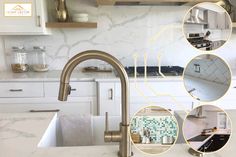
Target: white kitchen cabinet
column 221, row 21
column 78, row 89
column 218, row 20
column 224, row 21
column 108, row 100
column 13, row 23
column 212, row 22
column 217, row 44
column 167, row 94
column 21, row 90
column 228, row 22
column 44, row 95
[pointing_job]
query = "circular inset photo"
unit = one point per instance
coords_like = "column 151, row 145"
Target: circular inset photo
column 207, row 77
column 207, row 26
column 153, row 130
column 206, row 129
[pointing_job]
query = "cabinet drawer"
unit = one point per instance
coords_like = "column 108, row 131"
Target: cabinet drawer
column 154, row 89
column 19, row 89
column 78, row 89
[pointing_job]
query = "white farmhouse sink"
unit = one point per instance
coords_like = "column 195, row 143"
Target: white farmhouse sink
column 57, row 135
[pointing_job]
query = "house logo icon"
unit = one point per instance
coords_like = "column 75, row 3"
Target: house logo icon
column 18, row 8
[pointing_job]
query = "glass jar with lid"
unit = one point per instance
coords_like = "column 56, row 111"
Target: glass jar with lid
column 19, row 60
column 40, row 59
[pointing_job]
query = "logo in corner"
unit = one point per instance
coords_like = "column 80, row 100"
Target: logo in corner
column 18, row 9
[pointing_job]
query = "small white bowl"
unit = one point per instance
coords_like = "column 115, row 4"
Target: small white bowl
column 77, row 15
column 80, row 19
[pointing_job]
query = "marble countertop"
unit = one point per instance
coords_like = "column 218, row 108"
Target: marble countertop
column 8, row 76
column 20, row 134
column 76, row 76
column 152, row 144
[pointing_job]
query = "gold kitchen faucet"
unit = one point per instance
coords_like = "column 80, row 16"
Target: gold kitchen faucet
column 122, row 135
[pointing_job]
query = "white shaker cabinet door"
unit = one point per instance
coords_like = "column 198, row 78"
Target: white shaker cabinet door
column 212, row 19
column 107, row 99
column 221, row 21
column 25, row 17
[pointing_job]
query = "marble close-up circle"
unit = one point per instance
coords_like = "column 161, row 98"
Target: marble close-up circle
column 207, row 77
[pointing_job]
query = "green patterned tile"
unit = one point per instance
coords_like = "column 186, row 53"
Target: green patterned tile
column 159, row 126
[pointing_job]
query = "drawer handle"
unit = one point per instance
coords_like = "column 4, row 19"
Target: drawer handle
column 16, row 90
column 73, row 89
column 39, row 21
column 55, row 110
column 111, row 94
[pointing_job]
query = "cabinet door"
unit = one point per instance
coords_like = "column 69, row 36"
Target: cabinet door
column 221, row 21
column 227, row 21
column 155, row 89
column 15, row 20
column 21, row 90
column 107, row 100
column 212, row 24
column 216, row 143
column 78, row 89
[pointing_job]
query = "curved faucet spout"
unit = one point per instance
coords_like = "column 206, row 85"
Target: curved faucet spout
column 94, row 54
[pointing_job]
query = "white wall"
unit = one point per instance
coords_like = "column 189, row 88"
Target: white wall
column 122, row 31
column 193, row 127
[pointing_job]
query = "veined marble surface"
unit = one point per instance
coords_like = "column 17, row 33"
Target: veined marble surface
column 21, row 132
column 122, row 31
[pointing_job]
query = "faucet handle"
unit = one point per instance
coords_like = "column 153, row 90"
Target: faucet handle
column 111, row 136
column 106, row 122
column 107, row 133
column 69, row 89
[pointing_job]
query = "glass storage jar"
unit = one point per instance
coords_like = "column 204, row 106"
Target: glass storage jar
column 39, row 59
column 19, row 62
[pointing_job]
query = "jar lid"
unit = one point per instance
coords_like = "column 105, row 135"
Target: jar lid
column 18, row 47
column 79, row 15
column 42, row 48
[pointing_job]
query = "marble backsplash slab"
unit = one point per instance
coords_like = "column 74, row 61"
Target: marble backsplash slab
column 122, row 31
